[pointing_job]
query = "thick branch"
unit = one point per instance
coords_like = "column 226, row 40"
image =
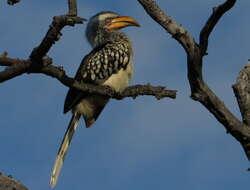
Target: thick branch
column 23, row 66
column 8, row 183
column 218, row 12
column 199, row 89
column 6, row 61
column 242, row 93
column 14, row 70
column 202, row 93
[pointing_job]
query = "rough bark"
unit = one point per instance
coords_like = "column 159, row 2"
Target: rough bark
column 200, row 91
column 9, row 183
column 72, row 8
column 242, row 93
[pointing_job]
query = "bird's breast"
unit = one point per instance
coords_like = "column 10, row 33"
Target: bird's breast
column 121, row 79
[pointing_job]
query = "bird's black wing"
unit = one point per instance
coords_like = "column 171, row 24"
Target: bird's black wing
column 96, row 67
column 74, row 96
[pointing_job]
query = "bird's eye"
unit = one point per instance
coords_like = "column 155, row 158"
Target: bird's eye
column 108, row 20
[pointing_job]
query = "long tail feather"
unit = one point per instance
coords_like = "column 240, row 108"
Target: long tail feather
column 64, row 148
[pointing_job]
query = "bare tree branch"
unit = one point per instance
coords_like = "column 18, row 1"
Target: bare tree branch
column 199, row 89
column 36, row 57
column 9, row 183
column 218, row 12
column 242, row 93
column 13, row 70
column 140, row 90
column 6, row 61
column 53, row 35
column 72, row 7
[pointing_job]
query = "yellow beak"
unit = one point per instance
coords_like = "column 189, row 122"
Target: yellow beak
column 121, row 22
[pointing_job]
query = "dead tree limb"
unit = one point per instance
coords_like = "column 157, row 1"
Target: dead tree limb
column 218, row 12
column 242, row 93
column 200, row 91
column 54, row 34
column 9, row 183
column 72, row 7
column 35, row 62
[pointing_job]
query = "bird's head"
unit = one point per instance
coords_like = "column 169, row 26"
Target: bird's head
column 105, row 25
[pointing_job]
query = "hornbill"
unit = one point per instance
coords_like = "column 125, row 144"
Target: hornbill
column 109, row 63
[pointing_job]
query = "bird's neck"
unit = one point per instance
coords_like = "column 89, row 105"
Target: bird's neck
column 104, row 37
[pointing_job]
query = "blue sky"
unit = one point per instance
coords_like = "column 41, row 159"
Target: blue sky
column 135, row 144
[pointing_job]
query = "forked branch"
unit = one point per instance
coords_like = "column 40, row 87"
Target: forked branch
column 200, row 91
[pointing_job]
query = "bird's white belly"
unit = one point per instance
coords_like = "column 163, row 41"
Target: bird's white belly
column 120, row 80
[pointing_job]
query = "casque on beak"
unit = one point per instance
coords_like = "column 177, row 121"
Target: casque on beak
column 121, row 22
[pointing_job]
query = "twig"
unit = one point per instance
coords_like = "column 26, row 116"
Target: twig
column 72, row 7
column 36, row 57
column 218, row 12
column 140, row 90
column 53, row 35
column 16, row 67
